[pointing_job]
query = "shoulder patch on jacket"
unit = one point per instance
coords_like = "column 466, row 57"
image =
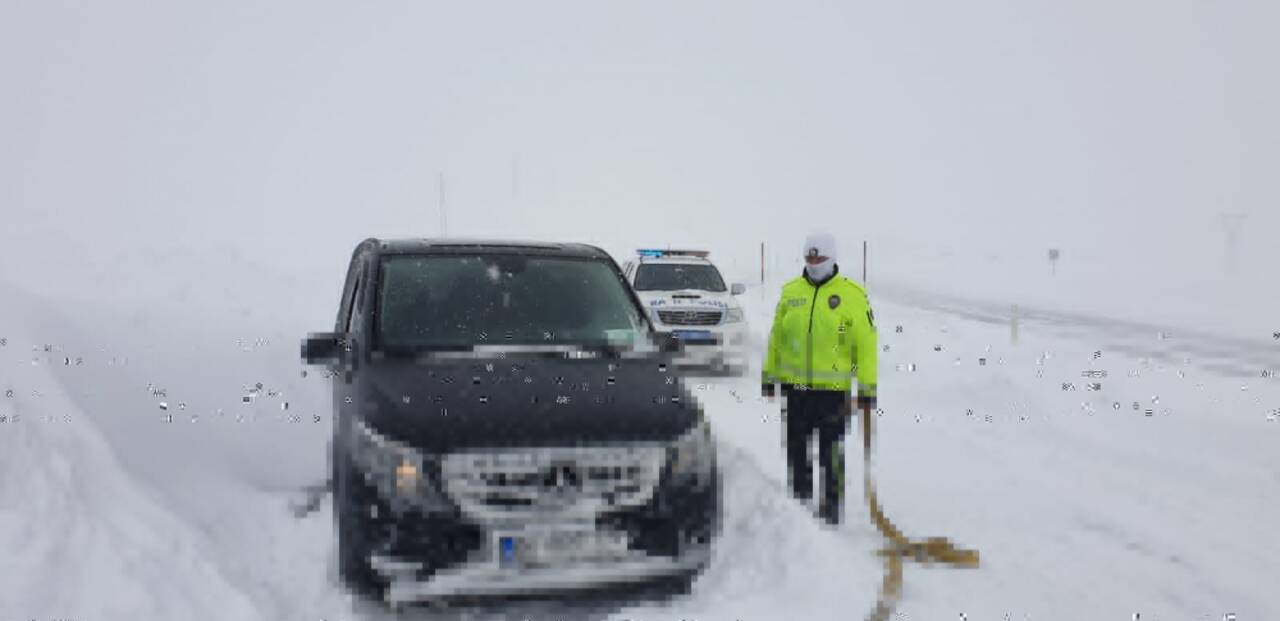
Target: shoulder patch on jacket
column 799, row 280
column 856, row 285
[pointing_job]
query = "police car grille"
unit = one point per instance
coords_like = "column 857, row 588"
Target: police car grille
column 689, row 318
column 551, row 483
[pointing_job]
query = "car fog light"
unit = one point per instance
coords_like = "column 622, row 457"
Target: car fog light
column 407, row 476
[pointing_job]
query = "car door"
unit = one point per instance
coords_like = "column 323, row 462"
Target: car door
column 349, row 329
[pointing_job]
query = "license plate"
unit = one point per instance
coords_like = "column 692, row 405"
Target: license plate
column 558, row 547
column 694, row 335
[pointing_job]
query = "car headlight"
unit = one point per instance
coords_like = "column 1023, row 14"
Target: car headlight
column 401, row 474
column 733, row 315
column 692, row 454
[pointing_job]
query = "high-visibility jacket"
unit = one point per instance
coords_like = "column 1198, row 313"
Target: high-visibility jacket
column 822, row 336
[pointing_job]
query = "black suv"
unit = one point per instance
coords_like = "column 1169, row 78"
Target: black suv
column 507, row 423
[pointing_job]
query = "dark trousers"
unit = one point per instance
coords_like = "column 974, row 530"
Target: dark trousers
column 821, row 412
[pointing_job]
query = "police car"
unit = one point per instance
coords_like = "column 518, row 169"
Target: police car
column 686, row 296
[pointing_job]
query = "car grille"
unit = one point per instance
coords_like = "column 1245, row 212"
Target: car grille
column 551, row 483
column 689, row 318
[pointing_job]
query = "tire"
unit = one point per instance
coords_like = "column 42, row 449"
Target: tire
column 351, row 528
column 679, row 585
column 667, row 587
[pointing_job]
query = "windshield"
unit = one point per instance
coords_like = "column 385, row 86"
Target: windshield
column 675, row 276
column 472, row 300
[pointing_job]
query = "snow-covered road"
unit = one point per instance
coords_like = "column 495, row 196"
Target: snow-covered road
column 1150, row 493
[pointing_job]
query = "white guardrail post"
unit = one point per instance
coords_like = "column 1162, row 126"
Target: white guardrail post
column 1013, row 325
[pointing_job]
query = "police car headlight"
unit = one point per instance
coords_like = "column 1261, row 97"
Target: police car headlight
column 733, row 315
column 692, row 454
column 401, row 474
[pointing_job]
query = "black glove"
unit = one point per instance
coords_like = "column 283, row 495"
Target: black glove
column 768, row 391
column 866, row 404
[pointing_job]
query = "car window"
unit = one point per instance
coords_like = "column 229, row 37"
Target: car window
column 451, row 301
column 676, row 276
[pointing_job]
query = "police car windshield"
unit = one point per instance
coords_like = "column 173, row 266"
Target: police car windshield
column 451, row 301
column 676, row 276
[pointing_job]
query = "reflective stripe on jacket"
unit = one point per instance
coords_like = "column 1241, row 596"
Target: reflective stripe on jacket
column 822, row 336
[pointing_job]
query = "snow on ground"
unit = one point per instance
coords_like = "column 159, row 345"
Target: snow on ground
column 1081, row 506
column 82, row 539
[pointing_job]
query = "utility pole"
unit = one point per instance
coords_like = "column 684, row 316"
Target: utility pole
column 762, row 263
column 444, row 218
column 1231, row 223
column 864, row 262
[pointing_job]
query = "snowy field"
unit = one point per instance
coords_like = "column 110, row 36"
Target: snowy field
column 1100, row 473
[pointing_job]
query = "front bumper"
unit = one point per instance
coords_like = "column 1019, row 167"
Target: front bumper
column 486, row 579
column 443, row 559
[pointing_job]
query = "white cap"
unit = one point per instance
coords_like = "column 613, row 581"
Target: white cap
column 821, row 244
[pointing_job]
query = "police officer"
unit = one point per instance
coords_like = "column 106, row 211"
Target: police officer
column 823, row 338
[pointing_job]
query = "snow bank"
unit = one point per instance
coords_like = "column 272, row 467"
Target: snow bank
column 81, row 539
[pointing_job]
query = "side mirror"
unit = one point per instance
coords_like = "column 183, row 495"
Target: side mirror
column 737, row 288
column 323, row 347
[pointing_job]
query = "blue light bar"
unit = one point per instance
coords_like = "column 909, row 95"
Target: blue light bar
column 656, row 252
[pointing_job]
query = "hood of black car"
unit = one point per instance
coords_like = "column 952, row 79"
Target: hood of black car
column 443, row 405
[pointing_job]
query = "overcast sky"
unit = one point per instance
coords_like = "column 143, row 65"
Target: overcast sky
column 1115, row 129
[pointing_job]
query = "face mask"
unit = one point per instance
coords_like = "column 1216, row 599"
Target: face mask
column 821, row 271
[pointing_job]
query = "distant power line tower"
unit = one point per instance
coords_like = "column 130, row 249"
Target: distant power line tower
column 1231, row 223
